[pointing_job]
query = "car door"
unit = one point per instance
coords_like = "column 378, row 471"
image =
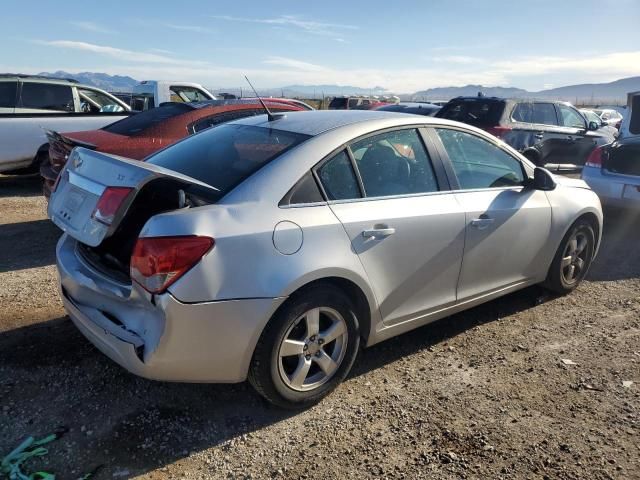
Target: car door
column 578, row 142
column 404, row 224
column 507, row 223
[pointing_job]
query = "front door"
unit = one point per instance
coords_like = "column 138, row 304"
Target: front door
column 408, row 234
column 507, row 224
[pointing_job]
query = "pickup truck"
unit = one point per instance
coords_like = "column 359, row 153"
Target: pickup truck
column 29, row 105
column 153, row 93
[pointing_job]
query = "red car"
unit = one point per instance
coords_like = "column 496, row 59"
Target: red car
column 140, row 135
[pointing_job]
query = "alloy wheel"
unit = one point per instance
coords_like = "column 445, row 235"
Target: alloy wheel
column 574, row 257
column 312, row 349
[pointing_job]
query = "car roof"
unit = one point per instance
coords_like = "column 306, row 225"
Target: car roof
column 316, row 122
column 38, row 78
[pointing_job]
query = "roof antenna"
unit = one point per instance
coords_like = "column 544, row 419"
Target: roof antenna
column 270, row 116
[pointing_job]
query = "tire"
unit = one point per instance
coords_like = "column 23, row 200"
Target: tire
column 572, row 260
column 288, row 351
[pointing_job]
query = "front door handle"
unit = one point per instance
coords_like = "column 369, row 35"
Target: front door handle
column 482, row 222
column 539, row 135
column 379, row 231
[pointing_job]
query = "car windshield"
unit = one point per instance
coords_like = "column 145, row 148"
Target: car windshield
column 474, row 112
column 141, row 121
column 226, row 155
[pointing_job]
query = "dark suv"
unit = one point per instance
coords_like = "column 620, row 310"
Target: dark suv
column 551, row 134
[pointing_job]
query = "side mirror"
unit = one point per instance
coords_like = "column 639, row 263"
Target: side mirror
column 593, row 126
column 542, row 180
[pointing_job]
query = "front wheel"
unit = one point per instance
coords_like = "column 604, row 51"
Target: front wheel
column 573, row 258
column 307, row 348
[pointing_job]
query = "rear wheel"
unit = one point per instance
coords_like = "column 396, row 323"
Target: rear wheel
column 307, row 348
column 573, row 258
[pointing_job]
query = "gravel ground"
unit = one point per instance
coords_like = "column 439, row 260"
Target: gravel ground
column 482, row 394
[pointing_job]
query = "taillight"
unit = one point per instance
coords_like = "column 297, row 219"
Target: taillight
column 157, row 262
column 109, row 203
column 595, row 159
column 498, row 131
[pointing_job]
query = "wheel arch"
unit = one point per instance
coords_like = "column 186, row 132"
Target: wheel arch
column 355, row 288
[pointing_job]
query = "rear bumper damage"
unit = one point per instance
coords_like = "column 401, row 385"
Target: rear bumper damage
column 160, row 337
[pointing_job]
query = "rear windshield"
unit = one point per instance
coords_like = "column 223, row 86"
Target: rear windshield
column 141, row 121
column 225, row 155
column 481, row 113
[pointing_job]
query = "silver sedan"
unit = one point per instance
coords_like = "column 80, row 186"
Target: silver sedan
column 273, row 248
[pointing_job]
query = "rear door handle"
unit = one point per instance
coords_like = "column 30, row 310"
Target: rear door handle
column 539, row 135
column 379, row 232
column 482, row 222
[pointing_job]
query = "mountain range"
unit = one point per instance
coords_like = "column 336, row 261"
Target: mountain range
column 613, row 92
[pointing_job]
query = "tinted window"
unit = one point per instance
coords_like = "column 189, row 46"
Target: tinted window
column 570, row 117
column 141, row 121
column 219, row 118
column 353, row 102
column 478, row 163
column 338, row 103
column 338, row 179
column 540, row 113
column 305, row 191
column 8, row 94
column 226, row 155
column 394, row 163
column 634, row 121
column 45, row 96
column 480, row 112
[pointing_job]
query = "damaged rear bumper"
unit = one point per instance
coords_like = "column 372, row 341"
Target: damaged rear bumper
column 160, row 337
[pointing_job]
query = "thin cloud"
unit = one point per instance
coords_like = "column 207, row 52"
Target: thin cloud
column 91, row 27
column 118, row 53
column 293, row 64
column 188, row 28
column 309, row 26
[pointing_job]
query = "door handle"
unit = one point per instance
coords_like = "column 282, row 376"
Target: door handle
column 539, row 135
column 380, row 231
column 571, row 139
column 482, row 222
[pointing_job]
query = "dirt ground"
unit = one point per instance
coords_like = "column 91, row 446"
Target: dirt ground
column 482, row 394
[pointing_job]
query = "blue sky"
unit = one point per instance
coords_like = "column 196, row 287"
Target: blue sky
column 402, row 45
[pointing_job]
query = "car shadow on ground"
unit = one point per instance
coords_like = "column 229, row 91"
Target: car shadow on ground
column 20, row 185
column 27, row 245
column 140, row 425
column 619, row 255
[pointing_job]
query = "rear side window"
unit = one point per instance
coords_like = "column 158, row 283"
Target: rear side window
column 8, row 91
column 353, row 102
column 43, row 96
column 338, row 103
column 338, row 179
column 480, row 113
column 394, row 163
column 141, row 121
column 539, row 113
column 226, row 155
column 478, row 163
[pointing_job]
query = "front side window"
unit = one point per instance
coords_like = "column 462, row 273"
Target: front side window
column 570, row 117
column 8, row 91
column 478, row 163
column 353, row 102
column 338, row 179
column 187, row 94
column 92, row 101
column 394, row 163
column 226, row 155
column 45, row 96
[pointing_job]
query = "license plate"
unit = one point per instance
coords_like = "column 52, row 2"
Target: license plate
column 74, row 200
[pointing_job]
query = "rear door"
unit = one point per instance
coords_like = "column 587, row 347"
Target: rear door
column 405, row 226
column 507, row 224
column 537, row 127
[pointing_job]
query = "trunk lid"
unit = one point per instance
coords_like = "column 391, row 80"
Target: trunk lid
column 86, row 176
column 623, row 157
